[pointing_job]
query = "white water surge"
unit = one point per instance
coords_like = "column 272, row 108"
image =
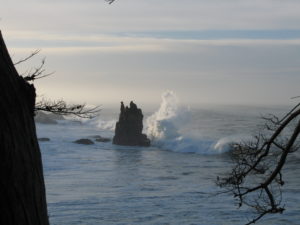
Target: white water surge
column 166, row 129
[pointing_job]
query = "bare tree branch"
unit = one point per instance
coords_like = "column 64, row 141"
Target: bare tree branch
column 295, row 97
column 57, row 107
column 34, row 53
column 110, row 1
column 37, row 73
column 256, row 178
column 62, row 108
column 34, row 73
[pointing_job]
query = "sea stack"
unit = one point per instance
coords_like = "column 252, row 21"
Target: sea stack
column 130, row 126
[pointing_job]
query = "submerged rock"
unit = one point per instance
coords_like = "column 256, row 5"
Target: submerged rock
column 130, row 126
column 84, row 141
column 102, row 139
column 96, row 136
column 99, row 138
column 43, row 139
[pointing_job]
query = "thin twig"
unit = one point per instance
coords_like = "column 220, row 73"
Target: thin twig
column 28, row 57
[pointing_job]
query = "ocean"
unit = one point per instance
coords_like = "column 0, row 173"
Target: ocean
column 171, row 182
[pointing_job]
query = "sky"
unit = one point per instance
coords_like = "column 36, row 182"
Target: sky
column 206, row 51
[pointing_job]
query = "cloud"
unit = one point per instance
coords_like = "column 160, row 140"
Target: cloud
column 136, row 15
column 22, row 42
column 107, row 69
column 213, row 51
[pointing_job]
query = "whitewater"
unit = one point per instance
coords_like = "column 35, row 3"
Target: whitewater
column 171, row 182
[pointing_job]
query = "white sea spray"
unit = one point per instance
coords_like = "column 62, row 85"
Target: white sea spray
column 165, row 125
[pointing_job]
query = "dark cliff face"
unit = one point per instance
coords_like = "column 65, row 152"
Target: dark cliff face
column 23, row 196
column 130, row 126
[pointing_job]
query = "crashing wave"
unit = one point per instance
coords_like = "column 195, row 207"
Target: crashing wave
column 163, row 128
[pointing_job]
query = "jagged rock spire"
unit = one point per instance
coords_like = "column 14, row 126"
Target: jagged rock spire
column 130, row 126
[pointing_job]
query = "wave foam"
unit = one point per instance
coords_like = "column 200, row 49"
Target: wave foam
column 163, row 128
column 106, row 124
column 99, row 123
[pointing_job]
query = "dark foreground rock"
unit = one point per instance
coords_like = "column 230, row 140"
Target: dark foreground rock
column 129, row 127
column 84, row 141
column 22, row 187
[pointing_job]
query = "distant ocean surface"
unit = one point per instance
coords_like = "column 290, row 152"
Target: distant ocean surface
column 171, row 182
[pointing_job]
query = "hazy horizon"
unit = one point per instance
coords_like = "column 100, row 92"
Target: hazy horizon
column 207, row 52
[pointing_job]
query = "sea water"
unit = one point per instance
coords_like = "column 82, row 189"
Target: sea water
column 171, row 182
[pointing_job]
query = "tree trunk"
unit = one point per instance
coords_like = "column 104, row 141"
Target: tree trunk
column 22, row 188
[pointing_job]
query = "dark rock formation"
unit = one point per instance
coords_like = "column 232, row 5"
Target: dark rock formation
column 130, row 126
column 43, row 139
column 84, row 141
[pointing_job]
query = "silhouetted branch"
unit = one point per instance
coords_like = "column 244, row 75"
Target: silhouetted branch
column 62, row 108
column 34, row 73
column 257, row 218
column 37, row 73
column 57, row 107
column 110, row 1
column 256, row 178
column 295, row 97
column 28, row 57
